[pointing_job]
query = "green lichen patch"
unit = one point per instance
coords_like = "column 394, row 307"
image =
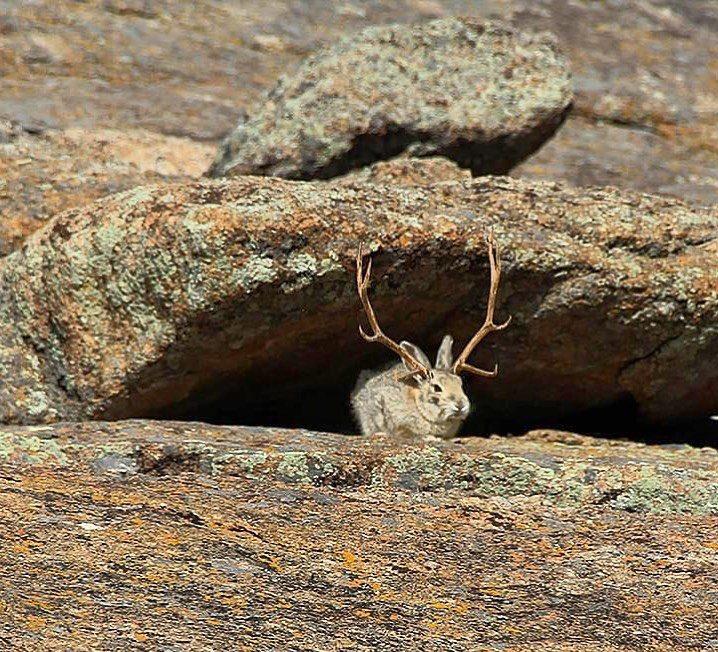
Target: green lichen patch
column 31, row 449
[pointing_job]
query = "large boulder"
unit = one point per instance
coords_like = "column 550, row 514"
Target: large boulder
column 479, row 93
column 147, row 535
column 235, row 300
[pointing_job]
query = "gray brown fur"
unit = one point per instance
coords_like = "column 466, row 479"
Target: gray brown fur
column 389, row 401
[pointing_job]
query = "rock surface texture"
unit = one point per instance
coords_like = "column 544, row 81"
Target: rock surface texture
column 644, row 74
column 143, row 535
column 406, row 171
column 240, row 294
column 233, row 301
column 42, row 174
column 478, row 93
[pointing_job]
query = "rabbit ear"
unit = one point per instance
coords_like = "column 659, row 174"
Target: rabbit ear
column 445, row 357
column 415, row 352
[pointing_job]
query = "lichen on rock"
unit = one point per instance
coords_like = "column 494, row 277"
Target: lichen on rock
column 232, row 299
column 258, row 537
column 479, row 93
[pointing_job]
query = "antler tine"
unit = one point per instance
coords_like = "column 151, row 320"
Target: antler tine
column 377, row 335
column 488, row 326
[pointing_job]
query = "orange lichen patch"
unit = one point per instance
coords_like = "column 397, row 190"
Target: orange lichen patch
column 36, row 603
column 457, row 607
column 35, row 623
column 171, row 539
column 275, row 565
column 350, row 560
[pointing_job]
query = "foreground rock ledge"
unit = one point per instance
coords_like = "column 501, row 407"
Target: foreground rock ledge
column 149, row 535
column 241, row 292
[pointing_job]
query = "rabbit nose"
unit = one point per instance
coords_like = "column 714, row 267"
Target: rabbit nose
column 461, row 408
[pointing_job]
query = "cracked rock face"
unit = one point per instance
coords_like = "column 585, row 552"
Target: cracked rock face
column 236, row 297
column 158, row 533
column 479, row 93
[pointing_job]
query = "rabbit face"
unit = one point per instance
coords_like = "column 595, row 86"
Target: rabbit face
column 440, row 397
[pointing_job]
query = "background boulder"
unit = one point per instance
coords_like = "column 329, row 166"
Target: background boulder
column 481, row 94
column 45, row 172
column 643, row 73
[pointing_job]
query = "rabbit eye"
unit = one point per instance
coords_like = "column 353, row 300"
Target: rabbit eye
column 436, row 388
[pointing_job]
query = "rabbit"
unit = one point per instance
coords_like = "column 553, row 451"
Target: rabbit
column 411, row 398
column 411, row 405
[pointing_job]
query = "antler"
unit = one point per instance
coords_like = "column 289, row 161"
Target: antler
column 377, row 334
column 489, row 326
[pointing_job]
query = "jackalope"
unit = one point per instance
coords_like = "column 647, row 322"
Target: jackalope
column 411, row 398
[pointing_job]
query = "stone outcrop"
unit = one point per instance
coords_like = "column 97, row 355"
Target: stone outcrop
column 406, row 171
column 670, row 161
column 481, row 94
column 42, row 174
column 646, row 107
column 643, row 74
column 235, row 299
column 148, row 535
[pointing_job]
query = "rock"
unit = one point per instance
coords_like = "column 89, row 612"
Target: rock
column 41, row 175
column 407, row 172
column 9, row 131
column 478, row 93
column 253, row 538
column 646, row 107
column 643, row 72
column 640, row 68
column 178, row 69
column 592, row 153
column 235, row 301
